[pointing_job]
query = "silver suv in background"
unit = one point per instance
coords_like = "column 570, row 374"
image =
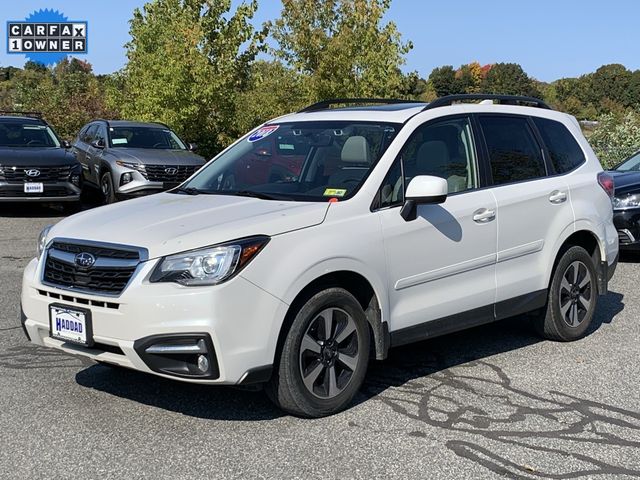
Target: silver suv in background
column 126, row 159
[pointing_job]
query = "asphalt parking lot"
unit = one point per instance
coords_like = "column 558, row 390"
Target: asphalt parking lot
column 492, row 402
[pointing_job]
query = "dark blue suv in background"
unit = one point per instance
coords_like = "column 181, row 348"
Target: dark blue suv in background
column 35, row 165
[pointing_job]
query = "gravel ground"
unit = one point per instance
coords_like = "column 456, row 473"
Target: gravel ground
column 492, row 402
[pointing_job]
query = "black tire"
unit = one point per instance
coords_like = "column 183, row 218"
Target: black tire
column 572, row 298
column 106, row 187
column 323, row 379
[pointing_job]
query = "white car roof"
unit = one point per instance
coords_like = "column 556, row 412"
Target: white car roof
column 392, row 113
column 401, row 112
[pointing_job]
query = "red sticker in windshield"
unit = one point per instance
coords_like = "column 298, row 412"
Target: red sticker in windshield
column 262, row 133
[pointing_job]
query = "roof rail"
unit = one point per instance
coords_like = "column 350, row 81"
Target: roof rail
column 21, row 113
column 502, row 99
column 325, row 104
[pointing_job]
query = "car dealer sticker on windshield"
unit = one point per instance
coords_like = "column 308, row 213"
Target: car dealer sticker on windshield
column 335, row 192
column 262, row 133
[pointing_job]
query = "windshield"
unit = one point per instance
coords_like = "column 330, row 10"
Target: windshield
column 630, row 165
column 16, row 134
column 145, row 137
column 307, row 161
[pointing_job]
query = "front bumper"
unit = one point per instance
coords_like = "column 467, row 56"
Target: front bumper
column 242, row 321
column 53, row 192
column 627, row 223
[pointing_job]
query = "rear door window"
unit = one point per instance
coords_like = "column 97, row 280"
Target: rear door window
column 563, row 149
column 514, row 153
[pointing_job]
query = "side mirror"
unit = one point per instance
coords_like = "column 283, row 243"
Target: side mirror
column 192, row 147
column 423, row 189
column 99, row 143
column 66, row 144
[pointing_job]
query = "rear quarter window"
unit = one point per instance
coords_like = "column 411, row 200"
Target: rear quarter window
column 563, row 148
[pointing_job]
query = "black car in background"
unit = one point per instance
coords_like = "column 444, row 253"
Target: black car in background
column 626, row 202
column 35, row 165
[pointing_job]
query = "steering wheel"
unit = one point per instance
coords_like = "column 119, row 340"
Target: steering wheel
column 158, row 145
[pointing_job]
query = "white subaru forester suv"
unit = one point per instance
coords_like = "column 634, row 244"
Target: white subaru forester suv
column 326, row 237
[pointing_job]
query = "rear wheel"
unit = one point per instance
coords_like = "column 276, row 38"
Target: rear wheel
column 106, row 186
column 572, row 297
column 324, row 357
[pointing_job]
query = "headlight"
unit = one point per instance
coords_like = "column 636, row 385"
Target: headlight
column 42, row 239
column 628, row 201
column 208, row 266
column 134, row 166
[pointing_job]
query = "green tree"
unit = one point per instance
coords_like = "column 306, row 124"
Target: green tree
column 444, row 81
column 68, row 95
column 610, row 81
column 616, row 137
column 271, row 90
column 509, row 79
column 341, row 48
column 187, row 61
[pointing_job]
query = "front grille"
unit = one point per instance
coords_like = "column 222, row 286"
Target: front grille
column 96, row 251
column 169, row 173
column 109, row 275
column 49, row 191
column 46, row 174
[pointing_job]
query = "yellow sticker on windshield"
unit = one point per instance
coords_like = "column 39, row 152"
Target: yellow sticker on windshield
column 335, row 192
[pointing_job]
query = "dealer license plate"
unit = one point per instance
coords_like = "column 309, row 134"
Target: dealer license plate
column 31, row 187
column 70, row 324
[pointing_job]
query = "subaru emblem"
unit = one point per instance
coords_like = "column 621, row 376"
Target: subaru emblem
column 33, row 172
column 85, row 260
column 171, row 171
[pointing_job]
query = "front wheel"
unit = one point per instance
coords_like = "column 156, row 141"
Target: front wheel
column 572, row 297
column 106, row 186
column 324, row 357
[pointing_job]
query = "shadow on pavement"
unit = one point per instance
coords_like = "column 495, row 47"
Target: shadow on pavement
column 404, row 365
column 46, row 210
column 202, row 401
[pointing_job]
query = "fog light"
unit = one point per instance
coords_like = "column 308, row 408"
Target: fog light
column 188, row 355
column 203, row 363
column 125, row 178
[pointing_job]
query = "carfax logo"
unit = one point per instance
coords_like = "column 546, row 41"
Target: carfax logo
column 46, row 37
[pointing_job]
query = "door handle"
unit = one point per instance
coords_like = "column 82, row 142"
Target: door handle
column 484, row 215
column 557, row 197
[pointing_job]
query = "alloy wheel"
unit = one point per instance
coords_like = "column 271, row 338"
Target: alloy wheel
column 329, row 353
column 576, row 293
column 106, row 188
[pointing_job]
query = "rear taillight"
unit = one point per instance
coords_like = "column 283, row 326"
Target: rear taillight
column 606, row 182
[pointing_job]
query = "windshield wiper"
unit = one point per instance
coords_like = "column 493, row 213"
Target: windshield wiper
column 189, row 190
column 254, row 194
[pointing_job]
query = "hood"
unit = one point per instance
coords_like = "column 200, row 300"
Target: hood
column 168, row 223
column 157, row 156
column 36, row 156
column 625, row 182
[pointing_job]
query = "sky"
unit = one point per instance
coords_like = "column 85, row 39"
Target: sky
column 551, row 39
